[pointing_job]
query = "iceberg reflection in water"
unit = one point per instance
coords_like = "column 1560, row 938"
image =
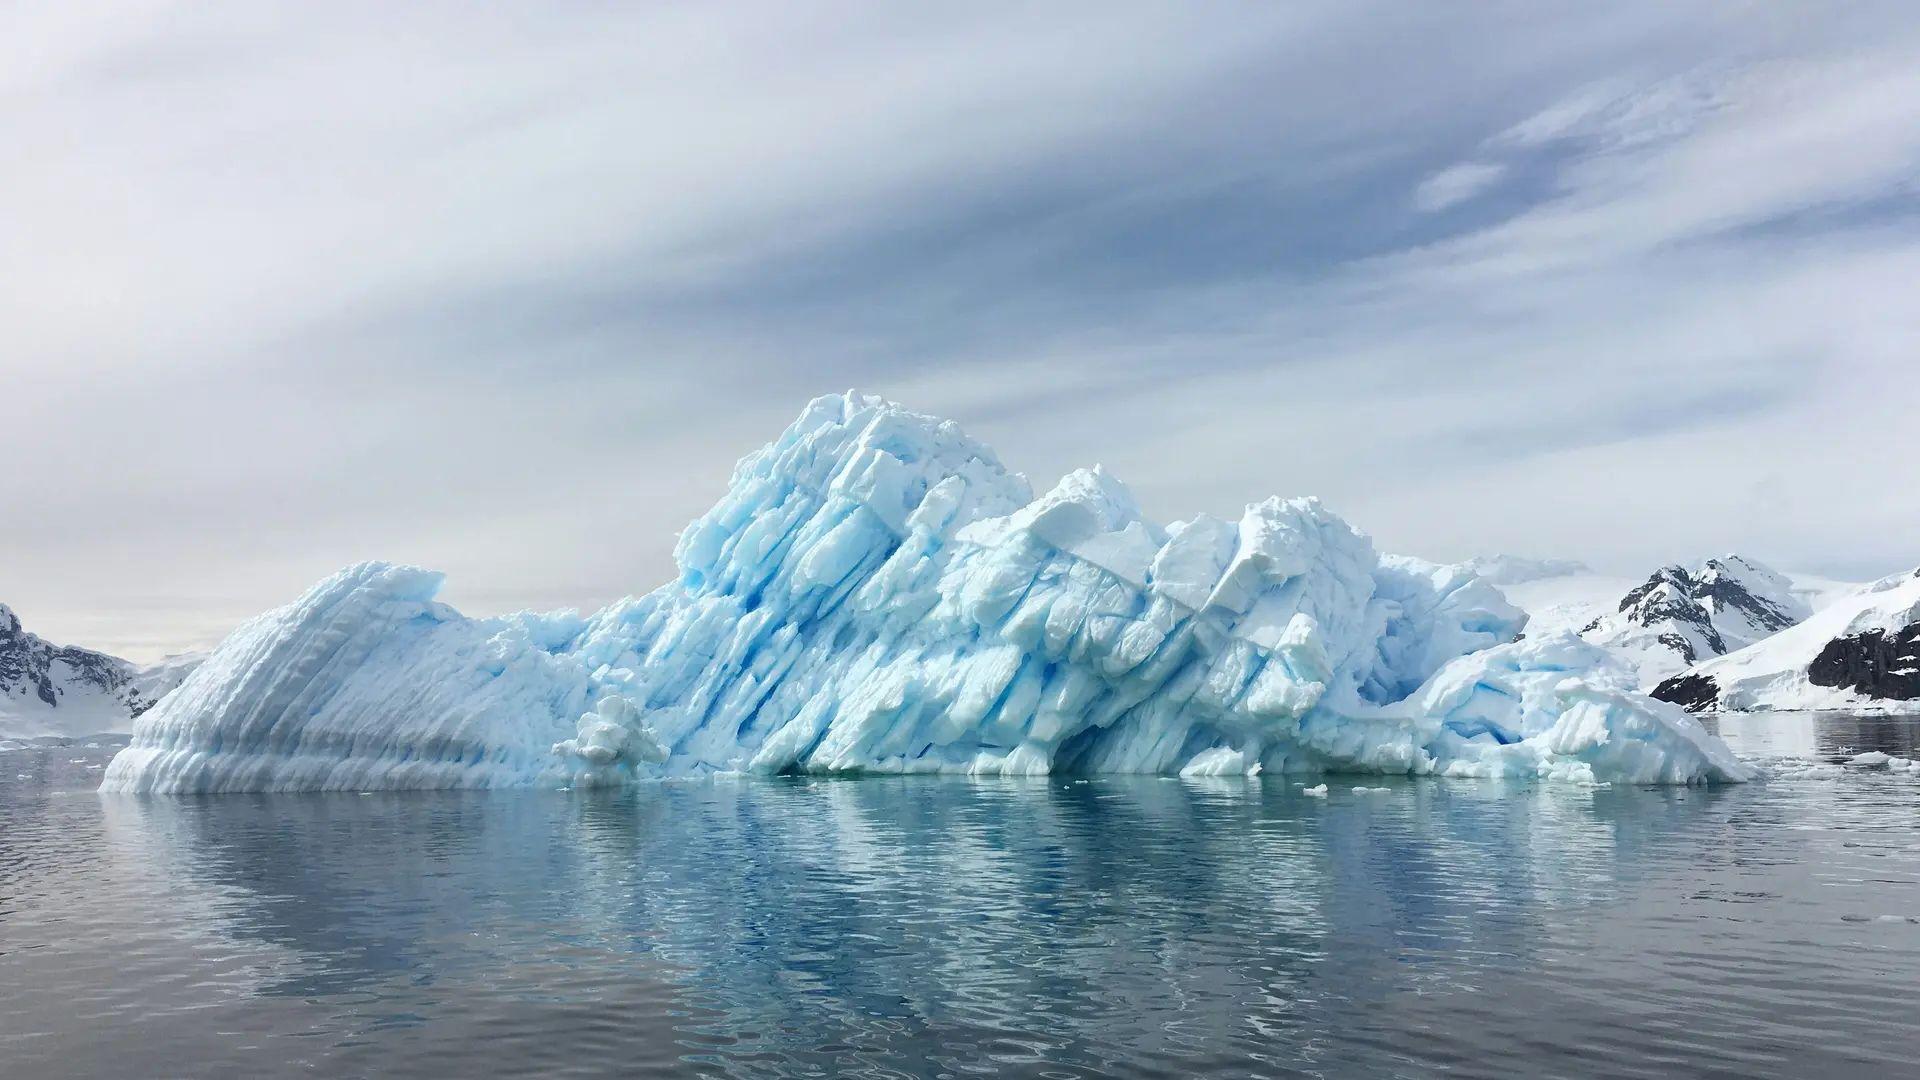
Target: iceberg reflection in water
column 923, row 925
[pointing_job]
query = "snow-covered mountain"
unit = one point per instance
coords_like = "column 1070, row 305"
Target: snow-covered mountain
column 48, row 689
column 1862, row 652
column 1681, row 616
column 1665, row 623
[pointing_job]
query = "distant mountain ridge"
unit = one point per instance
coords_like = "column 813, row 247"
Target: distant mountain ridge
column 1861, row 652
column 48, row 689
column 1661, row 625
column 1681, row 616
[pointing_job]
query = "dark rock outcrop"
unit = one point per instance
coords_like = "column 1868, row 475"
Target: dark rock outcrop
column 1878, row 663
column 1692, row 692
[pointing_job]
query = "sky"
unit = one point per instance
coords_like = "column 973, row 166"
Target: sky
column 506, row 289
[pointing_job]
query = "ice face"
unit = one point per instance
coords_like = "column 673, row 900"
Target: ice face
column 365, row 682
column 877, row 593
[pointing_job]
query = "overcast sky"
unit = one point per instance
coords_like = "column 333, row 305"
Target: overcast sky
column 505, row 289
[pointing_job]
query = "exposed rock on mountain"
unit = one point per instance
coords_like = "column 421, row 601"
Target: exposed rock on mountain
column 1876, row 663
column 1681, row 616
column 48, row 689
column 1863, row 652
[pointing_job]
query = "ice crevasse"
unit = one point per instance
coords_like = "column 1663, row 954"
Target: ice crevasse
column 876, row 593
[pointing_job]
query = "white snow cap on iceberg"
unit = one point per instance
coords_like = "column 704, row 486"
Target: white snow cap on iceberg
column 876, row 593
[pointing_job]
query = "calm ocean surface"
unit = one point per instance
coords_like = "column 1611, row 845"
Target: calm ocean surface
column 936, row 927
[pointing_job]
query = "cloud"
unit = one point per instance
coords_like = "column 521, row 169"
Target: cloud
column 1619, row 114
column 505, row 295
column 1456, row 184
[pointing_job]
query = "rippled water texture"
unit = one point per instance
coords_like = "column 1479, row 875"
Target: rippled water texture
column 885, row 927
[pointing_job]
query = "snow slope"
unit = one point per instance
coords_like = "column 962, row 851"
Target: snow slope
column 1819, row 593
column 62, row 690
column 1861, row 653
column 1566, row 603
column 1507, row 570
column 876, row 592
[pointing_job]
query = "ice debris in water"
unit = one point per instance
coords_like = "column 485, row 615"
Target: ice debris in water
column 875, row 592
column 1878, row 759
column 1318, row 791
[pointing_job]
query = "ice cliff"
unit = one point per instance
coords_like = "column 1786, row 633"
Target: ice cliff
column 876, row 592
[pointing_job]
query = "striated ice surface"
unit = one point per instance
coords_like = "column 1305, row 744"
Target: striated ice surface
column 877, row 593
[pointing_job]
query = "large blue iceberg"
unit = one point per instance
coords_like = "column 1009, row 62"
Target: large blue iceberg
column 876, row 593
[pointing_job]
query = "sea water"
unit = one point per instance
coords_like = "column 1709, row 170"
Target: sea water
column 944, row 927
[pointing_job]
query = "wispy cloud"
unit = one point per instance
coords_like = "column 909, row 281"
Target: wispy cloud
column 1456, row 184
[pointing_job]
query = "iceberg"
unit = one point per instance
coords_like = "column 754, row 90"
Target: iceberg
column 877, row 593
